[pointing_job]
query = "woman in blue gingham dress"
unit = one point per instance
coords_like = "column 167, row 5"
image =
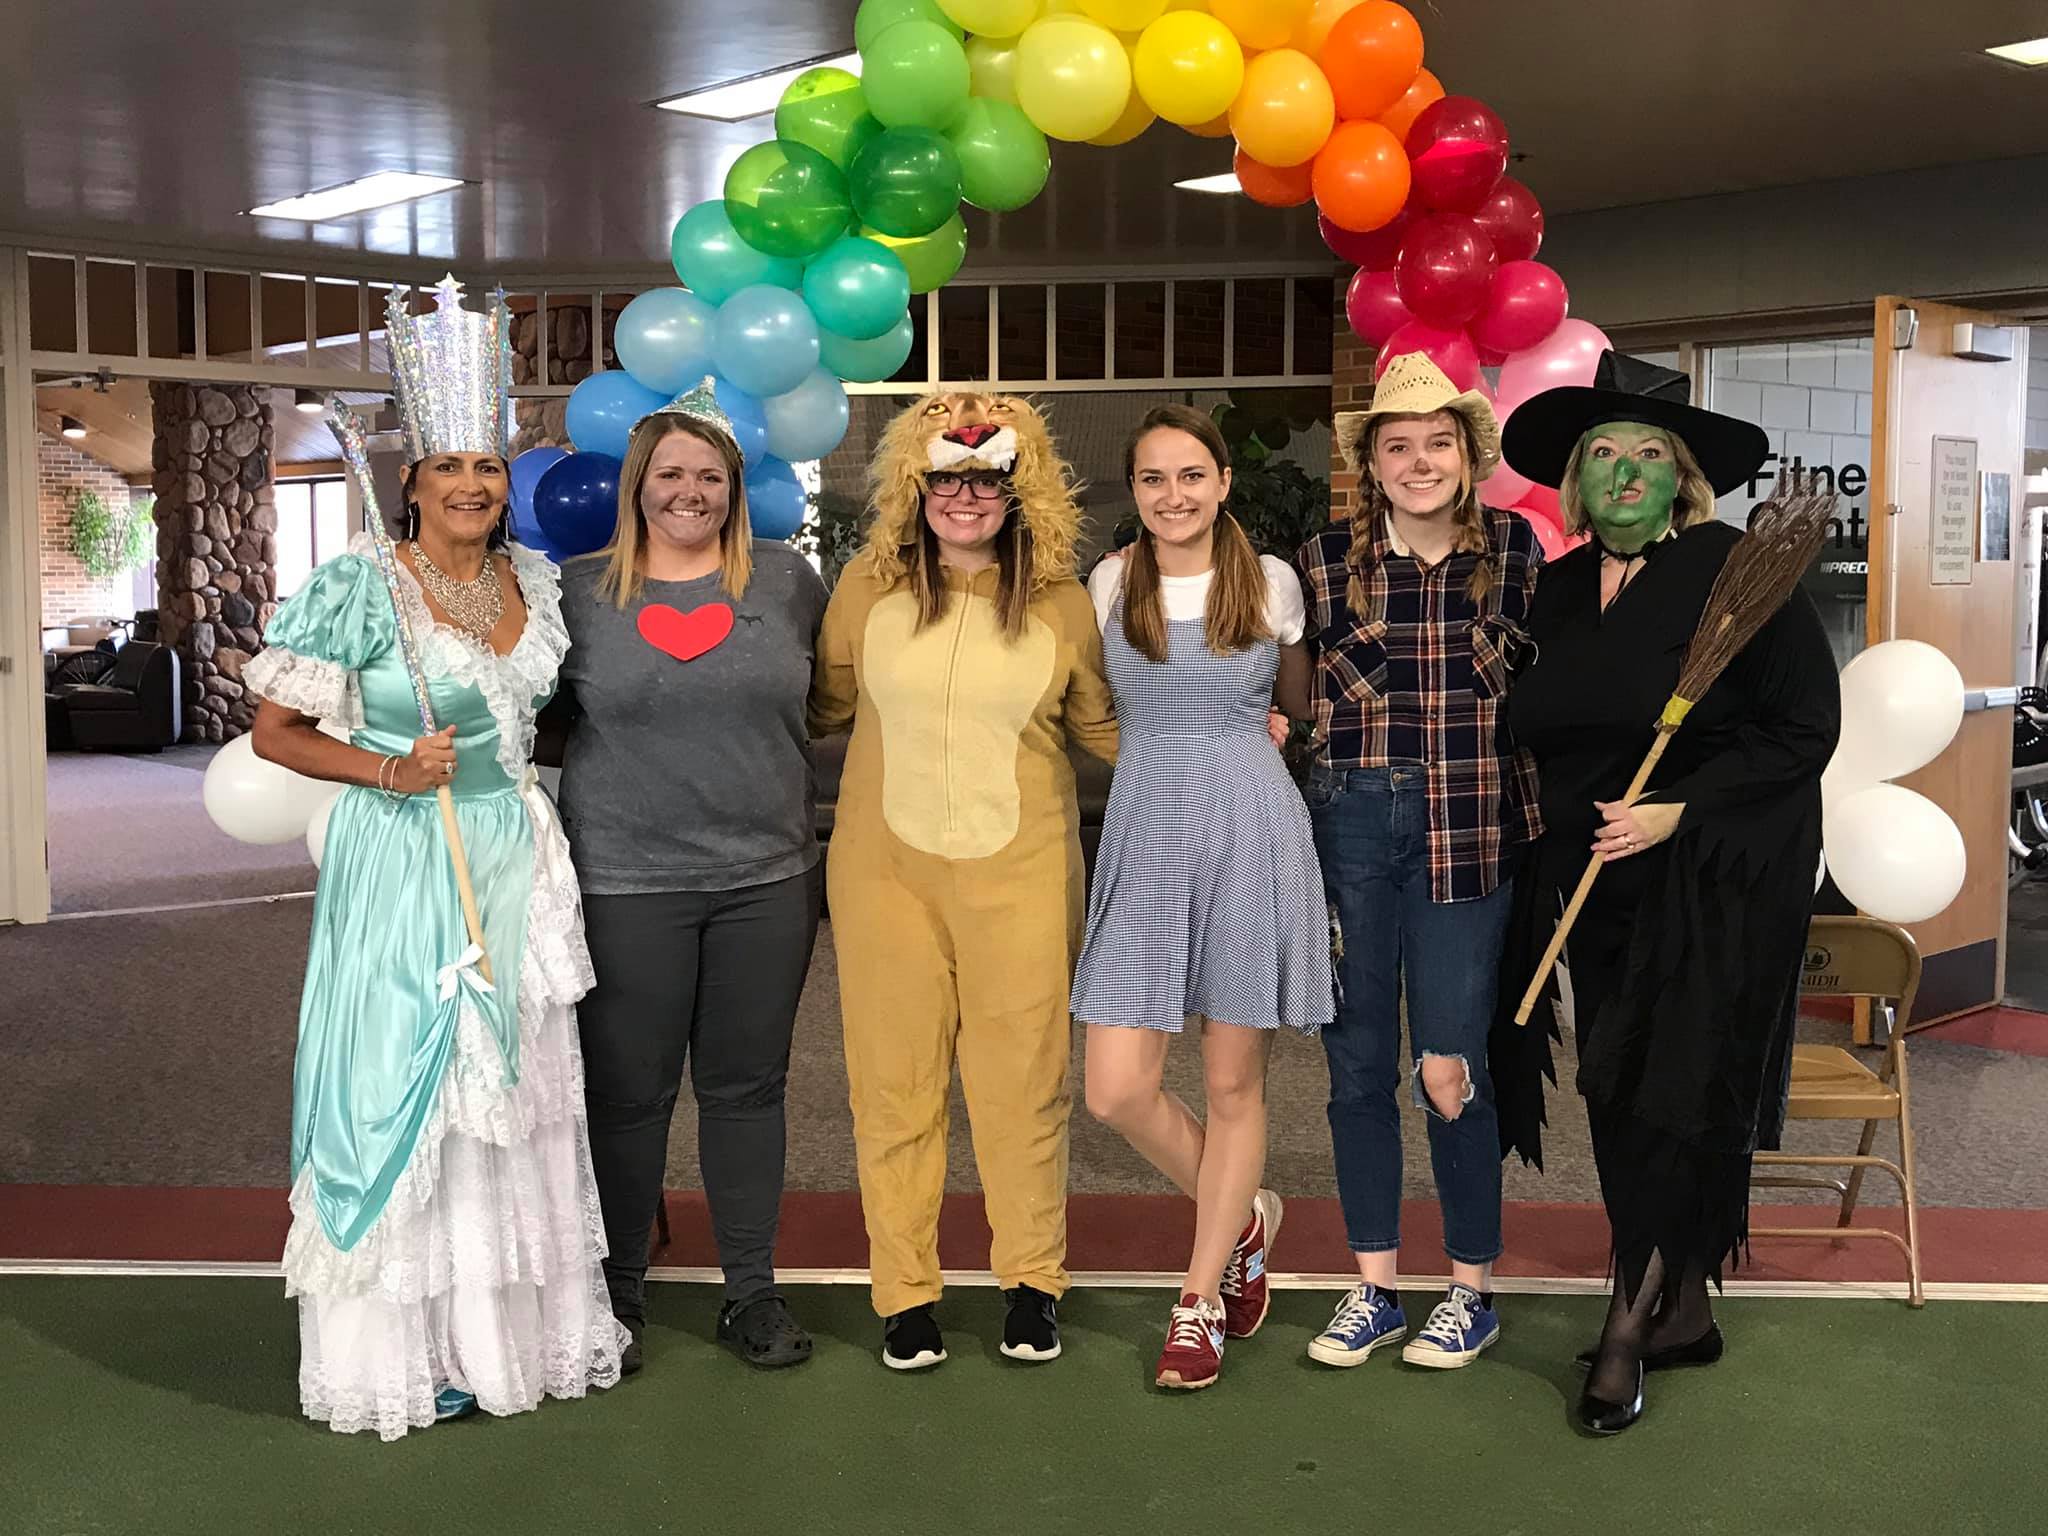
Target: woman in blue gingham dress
column 1207, row 901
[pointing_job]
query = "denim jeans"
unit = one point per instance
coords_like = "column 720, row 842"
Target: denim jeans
column 1372, row 833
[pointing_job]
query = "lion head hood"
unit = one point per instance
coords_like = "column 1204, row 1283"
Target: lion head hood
column 960, row 431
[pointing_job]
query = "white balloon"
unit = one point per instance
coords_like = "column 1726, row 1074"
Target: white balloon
column 316, row 829
column 1895, row 854
column 254, row 801
column 1820, row 874
column 1902, row 703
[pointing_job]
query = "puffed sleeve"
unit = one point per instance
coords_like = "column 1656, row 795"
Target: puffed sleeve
column 1104, row 583
column 1286, row 610
column 336, row 624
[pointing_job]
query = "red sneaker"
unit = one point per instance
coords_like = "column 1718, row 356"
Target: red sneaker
column 1193, row 1356
column 1245, row 1293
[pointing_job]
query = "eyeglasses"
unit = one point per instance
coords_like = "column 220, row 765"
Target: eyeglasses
column 986, row 484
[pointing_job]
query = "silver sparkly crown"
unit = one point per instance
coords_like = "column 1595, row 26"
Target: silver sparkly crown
column 452, row 369
column 701, row 404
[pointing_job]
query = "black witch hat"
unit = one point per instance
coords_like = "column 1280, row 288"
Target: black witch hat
column 1542, row 431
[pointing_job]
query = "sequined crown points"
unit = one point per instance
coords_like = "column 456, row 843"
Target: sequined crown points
column 701, row 404
column 452, row 369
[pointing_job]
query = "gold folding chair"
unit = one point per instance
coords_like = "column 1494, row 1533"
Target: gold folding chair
column 1855, row 957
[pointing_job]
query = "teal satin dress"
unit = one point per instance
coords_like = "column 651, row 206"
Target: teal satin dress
column 385, row 972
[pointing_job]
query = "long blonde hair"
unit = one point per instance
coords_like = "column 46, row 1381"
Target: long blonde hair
column 623, row 578
column 1695, row 503
column 1468, row 517
column 1234, row 615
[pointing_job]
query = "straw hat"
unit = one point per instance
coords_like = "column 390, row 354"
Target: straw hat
column 1415, row 386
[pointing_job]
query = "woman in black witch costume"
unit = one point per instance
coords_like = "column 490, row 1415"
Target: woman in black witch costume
column 1684, row 963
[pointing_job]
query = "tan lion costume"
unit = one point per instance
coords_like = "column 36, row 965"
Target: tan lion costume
column 955, row 874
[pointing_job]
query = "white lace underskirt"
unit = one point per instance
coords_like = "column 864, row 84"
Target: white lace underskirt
column 483, row 1270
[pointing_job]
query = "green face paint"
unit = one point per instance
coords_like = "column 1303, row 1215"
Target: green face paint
column 1628, row 483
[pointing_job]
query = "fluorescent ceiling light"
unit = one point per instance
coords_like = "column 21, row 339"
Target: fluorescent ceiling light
column 756, row 94
column 359, row 196
column 2033, row 54
column 1226, row 183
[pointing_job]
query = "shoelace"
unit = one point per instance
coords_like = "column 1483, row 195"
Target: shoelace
column 1450, row 1320
column 1358, row 1309
column 1189, row 1329
column 1233, row 1271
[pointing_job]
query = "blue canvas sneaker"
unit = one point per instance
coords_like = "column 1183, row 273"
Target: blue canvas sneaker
column 1366, row 1318
column 1459, row 1327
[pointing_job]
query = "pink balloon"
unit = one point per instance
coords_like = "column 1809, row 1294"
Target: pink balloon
column 1450, row 350
column 1374, row 307
column 1374, row 250
column 1512, row 220
column 1525, row 302
column 1541, row 501
column 1549, row 537
column 1504, row 488
column 1568, row 355
column 1445, row 270
column 1457, row 150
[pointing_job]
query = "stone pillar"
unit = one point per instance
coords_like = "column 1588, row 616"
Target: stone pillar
column 216, row 543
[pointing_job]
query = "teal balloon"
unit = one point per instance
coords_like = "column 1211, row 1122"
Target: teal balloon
column 915, row 76
column 858, row 288
column 868, row 362
column 931, row 260
column 906, row 182
column 765, row 341
column 663, row 339
column 715, row 263
column 787, row 199
column 809, row 421
column 1004, row 159
column 877, row 16
column 826, row 109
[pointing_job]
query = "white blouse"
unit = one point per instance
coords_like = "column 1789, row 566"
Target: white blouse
column 1187, row 597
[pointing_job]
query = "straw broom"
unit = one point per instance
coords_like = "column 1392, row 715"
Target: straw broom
column 348, row 430
column 1763, row 568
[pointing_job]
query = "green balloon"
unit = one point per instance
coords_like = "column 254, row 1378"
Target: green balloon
column 915, row 76
column 786, row 199
column 877, row 16
column 931, row 260
column 868, row 362
column 827, row 110
column 906, row 182
column 1004, row 159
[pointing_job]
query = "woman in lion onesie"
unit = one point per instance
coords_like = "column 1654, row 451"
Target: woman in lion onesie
column 965, row 656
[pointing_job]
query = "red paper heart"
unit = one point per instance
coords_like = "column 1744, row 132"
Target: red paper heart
column 685, row 636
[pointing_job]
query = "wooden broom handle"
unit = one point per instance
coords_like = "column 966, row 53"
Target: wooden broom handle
column 1571, row 911
column 460, row 860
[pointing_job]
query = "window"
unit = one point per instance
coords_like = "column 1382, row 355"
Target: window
column 312, row 526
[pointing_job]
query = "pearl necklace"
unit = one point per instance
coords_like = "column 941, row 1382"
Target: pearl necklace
column 473, row 606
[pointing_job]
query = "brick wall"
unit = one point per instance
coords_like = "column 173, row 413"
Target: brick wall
column 1350, row 390
column 61, row 472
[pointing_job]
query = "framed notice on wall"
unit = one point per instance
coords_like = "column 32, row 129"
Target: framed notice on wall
column 1952, row 518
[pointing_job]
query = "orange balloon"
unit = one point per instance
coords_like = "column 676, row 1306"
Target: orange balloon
column 1315, row 28
column 1361, row 177
column 1371, row 57
column 1285, row 111
column 1261, row 23
column 1275, row 186
column 1217, row 127
column 1400, row 117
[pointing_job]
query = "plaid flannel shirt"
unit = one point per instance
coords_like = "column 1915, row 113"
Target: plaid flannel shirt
column 1420, row 677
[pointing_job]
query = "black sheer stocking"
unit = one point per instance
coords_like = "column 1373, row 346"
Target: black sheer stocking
column 1685, row 1312
column 1625, row 1337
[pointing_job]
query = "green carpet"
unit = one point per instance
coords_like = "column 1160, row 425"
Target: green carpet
column 140, row 1405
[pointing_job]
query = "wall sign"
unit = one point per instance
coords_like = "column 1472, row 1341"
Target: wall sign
column 1952, row 519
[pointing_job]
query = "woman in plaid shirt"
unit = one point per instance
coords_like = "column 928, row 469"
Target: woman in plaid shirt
column 1420, row 806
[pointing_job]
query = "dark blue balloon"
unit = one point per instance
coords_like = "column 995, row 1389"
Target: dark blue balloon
column 749, row 421
column 775, row 501
column 526, row 472
column 577, row 503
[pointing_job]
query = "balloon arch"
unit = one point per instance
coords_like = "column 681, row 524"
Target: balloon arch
column 799, row 279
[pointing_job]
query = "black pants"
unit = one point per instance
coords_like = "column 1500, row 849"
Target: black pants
column 710, row 978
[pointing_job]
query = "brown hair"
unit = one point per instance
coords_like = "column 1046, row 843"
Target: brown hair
column 1015, row 561
column 1695, row 503
column 1468, row 518
column 1234, row 615
column 622, row 574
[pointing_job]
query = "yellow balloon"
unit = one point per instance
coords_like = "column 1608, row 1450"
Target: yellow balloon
column 1262, row 24
column 1124, row 15
column 992, row 68
column 1188, row 67
column 1285, row 111
column 1137, row 117
column 1073, row 77
column 992, row 18
column 1218, row 127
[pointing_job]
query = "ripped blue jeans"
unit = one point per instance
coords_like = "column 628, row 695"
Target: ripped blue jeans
column 1372, row 833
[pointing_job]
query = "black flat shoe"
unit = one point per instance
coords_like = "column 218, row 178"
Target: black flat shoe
column 630, row 1357
column 1704, row 1350
column 1597, row 1416
column 763, row 1334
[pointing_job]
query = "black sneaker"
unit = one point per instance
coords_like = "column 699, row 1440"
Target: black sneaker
column 629, row 1357
column 911, row 1341
column 761, row 1332
column 1032, row 1330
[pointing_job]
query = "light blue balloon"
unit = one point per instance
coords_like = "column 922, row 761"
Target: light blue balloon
column 603, row 408
column 766, row 341
column 525, row 474
column 809, row 421
column 868, row 362
column 664, row 340
column 715, row 263
column 775, row 502
column 857, row 287
column 749, row 420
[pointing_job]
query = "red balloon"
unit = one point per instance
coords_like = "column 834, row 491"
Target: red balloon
column 1457, row 150
column 1512, row 219
column 1374, row 308
column 1450, row 350
column 1445, row 270
column 1488, row 358
column 1374, row 249
column 1525, row 302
